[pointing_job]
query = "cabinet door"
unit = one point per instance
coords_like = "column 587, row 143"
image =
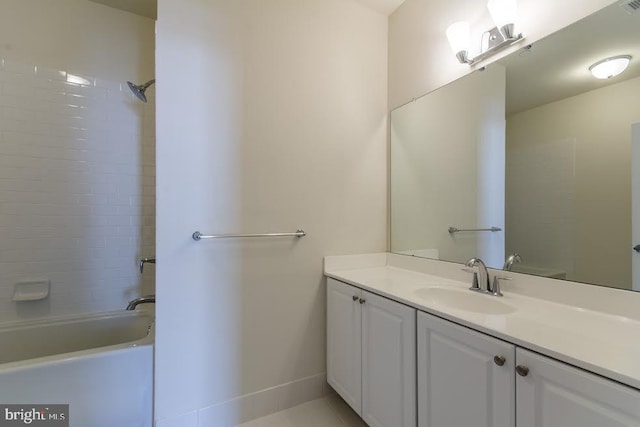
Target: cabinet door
column 344, row 342
column 388, row 363
column 459, row 382
column 554, row 394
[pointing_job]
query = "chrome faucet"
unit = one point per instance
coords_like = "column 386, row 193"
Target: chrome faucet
column 514, row 258
column 481, row 277
column 141, row 300
column 143, row 261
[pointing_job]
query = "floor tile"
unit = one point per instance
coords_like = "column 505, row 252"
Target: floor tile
column 330, row 411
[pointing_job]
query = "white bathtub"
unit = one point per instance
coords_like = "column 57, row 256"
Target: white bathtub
column 99, row 364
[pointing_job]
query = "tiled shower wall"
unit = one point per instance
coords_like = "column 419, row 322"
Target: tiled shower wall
column 77, row 190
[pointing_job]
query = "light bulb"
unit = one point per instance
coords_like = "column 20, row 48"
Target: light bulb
column 458, row 34
column 503, row 12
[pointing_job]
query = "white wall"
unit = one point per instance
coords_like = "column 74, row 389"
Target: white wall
column 79, row 36
column 420, row 59
column 275, row 119
column 77, row 180
column 590, row 189
column 444, row 174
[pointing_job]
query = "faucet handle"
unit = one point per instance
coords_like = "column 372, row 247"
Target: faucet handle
column 475, row 284
column 495, row 289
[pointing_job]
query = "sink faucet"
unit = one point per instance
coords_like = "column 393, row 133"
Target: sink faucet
column 141, row 300
column 511, row 259
column 481, row 279
column 482, row 284
column 143, row 261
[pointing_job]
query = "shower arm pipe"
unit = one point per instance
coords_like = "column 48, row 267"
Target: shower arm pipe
column 197, row 236
column 147, row 84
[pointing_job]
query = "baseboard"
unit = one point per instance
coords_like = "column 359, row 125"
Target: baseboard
column 261, row 403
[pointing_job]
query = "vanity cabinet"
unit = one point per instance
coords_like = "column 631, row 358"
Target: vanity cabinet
column 465, row 378
column 552, row 394
column 371, row 351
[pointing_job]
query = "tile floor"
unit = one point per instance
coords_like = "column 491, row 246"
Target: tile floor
column 330, row 411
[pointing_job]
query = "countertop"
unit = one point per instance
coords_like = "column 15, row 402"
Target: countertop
column 602, row 342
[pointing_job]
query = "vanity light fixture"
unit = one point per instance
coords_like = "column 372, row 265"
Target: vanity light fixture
column 504, row 14
column 610, row 67
column 458, row 35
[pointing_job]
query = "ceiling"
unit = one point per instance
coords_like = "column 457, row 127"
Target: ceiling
column 149, row 8
column 146, row 8
column 386, row 7
column 557, row 67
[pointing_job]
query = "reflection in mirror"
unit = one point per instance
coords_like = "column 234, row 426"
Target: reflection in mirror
column 568, row 178
column 449, row 148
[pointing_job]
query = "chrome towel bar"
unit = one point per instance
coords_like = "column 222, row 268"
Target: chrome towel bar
column 457, row 230
column 197, row 236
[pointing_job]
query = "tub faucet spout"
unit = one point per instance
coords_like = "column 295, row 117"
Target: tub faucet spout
column 141, row 300
column 144, row 261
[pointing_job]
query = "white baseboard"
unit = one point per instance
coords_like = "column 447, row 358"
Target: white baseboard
column 255, row 405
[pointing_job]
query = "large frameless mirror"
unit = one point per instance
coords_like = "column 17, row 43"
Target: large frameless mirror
column 533, row 155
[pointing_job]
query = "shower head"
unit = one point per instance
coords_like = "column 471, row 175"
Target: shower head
column 139, row 90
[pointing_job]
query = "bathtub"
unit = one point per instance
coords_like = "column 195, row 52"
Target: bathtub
column 99, row 364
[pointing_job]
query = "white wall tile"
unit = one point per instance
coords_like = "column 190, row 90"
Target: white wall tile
column 185, row 420
column 72, row 190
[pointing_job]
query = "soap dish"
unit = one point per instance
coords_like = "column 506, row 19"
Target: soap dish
column 32, row 290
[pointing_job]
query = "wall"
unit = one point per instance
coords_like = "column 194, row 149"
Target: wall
column 276, row 119
column 79, row 36
column 77, row 153
column 592, row 183
column 420, row 59
column 444, row 174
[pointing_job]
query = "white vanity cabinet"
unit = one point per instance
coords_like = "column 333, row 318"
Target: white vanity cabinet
column 465, row 378
column 344, row 338
column 371, row 350
column 552, row 394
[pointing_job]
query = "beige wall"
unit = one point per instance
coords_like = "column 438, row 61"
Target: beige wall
column 444, row 174
column 600, row 124
column 420, row 59
column 276, row 119
column 78, row 36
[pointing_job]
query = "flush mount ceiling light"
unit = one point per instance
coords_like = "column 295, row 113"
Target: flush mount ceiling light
column 610, row 67
column 504, row 14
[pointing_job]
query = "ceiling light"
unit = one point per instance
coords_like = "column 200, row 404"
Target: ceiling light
column 610, row 67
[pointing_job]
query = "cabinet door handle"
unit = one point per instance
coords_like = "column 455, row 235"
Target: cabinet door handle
column 362, row 301
column 499, row 360
column 522, row 370
column 355, row 298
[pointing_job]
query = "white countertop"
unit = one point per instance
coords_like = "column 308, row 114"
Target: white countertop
column 602, row 342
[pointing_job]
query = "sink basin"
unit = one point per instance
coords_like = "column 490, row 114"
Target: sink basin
column 467, row 300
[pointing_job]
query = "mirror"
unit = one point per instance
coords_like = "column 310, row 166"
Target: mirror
column 533, row 155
